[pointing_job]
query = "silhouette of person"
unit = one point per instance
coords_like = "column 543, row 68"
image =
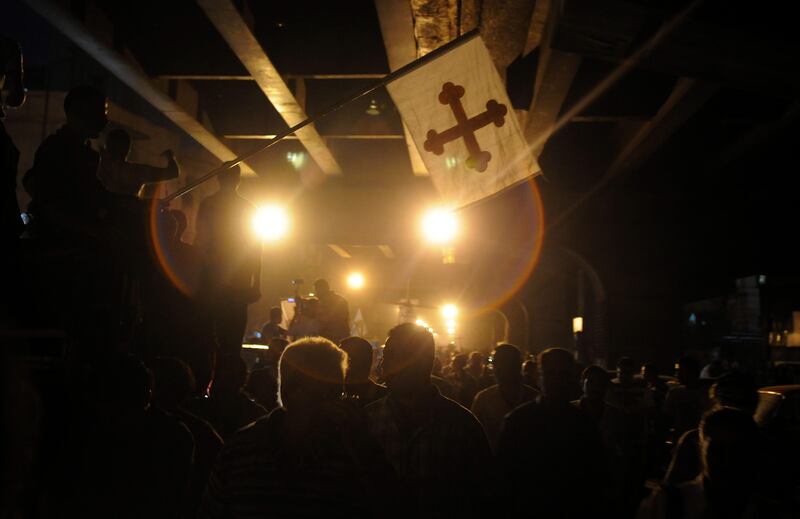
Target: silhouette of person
column 311, row 457
column 305, row 322
column 476, row 366
column 262, row 385
column 138, row 459
column 652, row 377
column 69, row 201
column 127, row 178
column 734, row 390
column 731, row 448
column 228, row 407
column 594, row 381
column 174, row 386
column 333, row 312
column 530, row 373
column 231, row 260
column 437, row 447
column 358, row 382
column 492, row 404
column 466, row 387
column 273, row 328
column 685, row 403
column 627, row 424
column 549, row 452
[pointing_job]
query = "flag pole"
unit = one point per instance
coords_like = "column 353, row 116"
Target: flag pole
column 388, row 78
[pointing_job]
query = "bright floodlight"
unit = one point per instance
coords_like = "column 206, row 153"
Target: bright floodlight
column 271, row 222
column 355, row 280
column 440, row 226
column 449, row 311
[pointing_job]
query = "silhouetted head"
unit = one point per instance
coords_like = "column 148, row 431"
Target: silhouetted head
column 180, row 218
column 118, row 144
column 594, row 380
column 230, row 374
column 530, row 372
column 475, row 363
column 275, row 315
column 86, row 110
column 12, row 88
column 650, row 373
column 229, row 178
column 312, row 371
column 174, row 382
column 460, row 361
column 729, row 444
column 359, row 358
column 626, row 369
column 687, row 370
column 263, row 387
column 408, row 359
column 321, row 287
column 507, row 365
column 557, row 369
column 735, row 390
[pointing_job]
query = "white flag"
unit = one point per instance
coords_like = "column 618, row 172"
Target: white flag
column 462, row 122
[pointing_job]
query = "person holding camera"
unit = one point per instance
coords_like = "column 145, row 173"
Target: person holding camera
column 305, row 322
column 333, row 312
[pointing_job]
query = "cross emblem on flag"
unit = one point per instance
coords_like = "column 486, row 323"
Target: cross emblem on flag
column 457, row 111
column 465, row 128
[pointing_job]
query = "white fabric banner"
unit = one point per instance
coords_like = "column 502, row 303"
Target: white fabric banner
column 463, row 124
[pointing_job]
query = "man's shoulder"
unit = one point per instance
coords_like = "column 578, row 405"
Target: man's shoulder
column 486, row 394
column 453, row 413
column 262, row 431
column 523, row 412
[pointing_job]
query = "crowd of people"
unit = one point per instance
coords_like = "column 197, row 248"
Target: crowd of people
column 157, row 415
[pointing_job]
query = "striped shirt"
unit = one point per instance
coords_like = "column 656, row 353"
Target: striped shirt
column 329, row 472
column 444, row 464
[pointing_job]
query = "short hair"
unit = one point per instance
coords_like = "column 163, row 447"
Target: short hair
column 118, row 142
column 460, row 360
column 594, row 371
column 626, row 363
column 313, row 361
column 507, row 353
column 359, row 355
column 322, row 283
column 414, row 343
column 83, row 96
column 555, row 361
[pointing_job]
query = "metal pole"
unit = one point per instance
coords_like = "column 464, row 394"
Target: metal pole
column 388, row 78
